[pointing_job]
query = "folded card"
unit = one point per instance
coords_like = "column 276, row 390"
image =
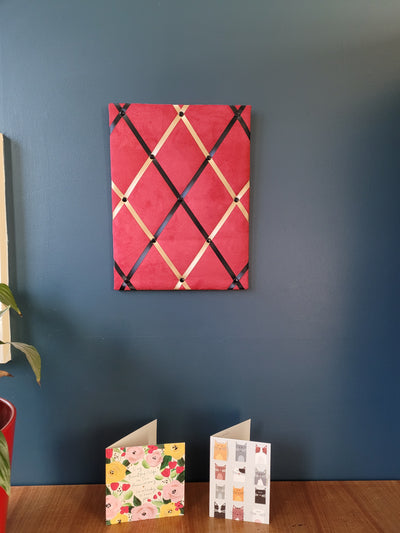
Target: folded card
column 144, row 479
column 240, row 475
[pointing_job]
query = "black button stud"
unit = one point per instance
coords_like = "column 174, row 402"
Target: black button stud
column 235, row 280
column 208, row 158
column 182, row 280
column 236, row 199
column 181, row 113
column 179, row 198
column 153, row 240
column 152, row 156
column 209, row 240
column 122, row 112
column 124, row 199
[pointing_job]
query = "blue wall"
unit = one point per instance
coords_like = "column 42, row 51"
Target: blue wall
column 311, row 352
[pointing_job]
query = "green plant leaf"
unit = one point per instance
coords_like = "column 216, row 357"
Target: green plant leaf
column 5, row 468
column 108, row 491
column 4, row 310
column 126, row 462
column 145, row 464
column 181, row 462
column 166, row 460
column 160, row 487
column 136, row 501
column 157, row 503
column 166, row 501
column 7, row 297
column 181, row 477
column 128, row 495
column 159, row 478
column 173, row 474
column 32, row 355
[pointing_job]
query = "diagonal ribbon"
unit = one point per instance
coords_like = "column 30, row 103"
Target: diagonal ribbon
column 210, row 159
column 241, row 274
column 238, row 112
column 126, row 281
column 121, row 113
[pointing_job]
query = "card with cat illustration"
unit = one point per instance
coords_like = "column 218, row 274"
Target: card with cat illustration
column 220, row 472
column 238, row 494
column 220, row 451
column 240, row 473
column 144, row 479
column 237, row 513
column 219, row 510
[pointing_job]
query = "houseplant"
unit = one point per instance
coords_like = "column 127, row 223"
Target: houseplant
column 8, row 300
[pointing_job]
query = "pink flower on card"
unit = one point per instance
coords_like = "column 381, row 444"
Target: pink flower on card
column 174, row 491
column 154, row 458
column 143, row 512
column 113, row 506
column 134, row 454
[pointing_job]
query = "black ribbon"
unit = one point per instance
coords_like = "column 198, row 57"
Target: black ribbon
column 122, row 111
column 241, row 273
column 126, row 282
column 238, row 113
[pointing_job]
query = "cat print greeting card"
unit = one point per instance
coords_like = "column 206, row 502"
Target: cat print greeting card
column 240, row 475
column 144, row 479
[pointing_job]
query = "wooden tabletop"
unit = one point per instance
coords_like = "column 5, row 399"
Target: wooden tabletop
column 304, row 506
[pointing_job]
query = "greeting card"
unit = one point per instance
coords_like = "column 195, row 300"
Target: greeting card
column 144, row 479
column 180, row 179
column 240, row 475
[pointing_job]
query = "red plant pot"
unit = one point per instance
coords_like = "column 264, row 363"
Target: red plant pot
column 7, row 426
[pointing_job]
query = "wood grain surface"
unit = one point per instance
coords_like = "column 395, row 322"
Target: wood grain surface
column 310, row 506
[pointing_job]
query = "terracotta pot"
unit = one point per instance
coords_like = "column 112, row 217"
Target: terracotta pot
column 7, row 426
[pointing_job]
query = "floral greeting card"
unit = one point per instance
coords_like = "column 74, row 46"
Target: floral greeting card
column 239, row 475
column 144, row 481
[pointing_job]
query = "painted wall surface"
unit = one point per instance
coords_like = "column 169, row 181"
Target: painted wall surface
column 311, row 351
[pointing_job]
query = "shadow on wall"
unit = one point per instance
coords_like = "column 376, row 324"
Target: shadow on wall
column 12, row 163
